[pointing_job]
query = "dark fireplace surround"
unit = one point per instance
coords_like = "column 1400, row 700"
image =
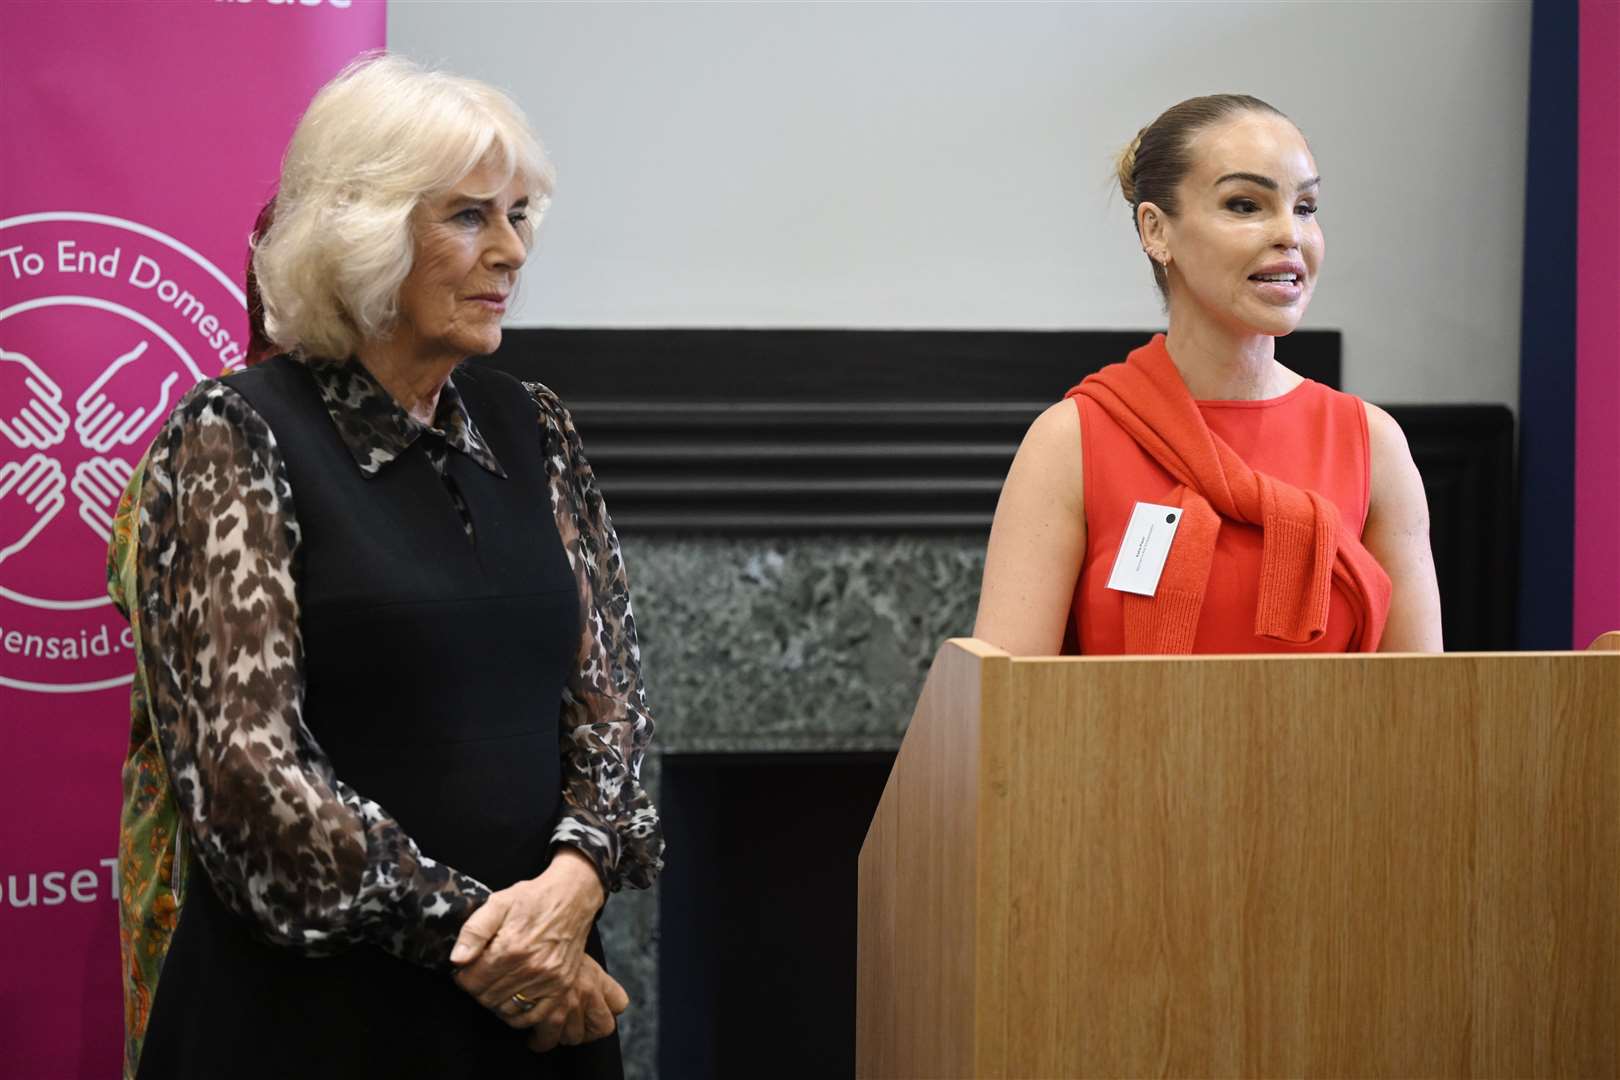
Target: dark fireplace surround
column 871, row 456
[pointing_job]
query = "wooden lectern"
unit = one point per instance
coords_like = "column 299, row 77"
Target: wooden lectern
column 1328, row 866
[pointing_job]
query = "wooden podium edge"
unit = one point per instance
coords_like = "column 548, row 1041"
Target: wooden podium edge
column 993, row 858
column 937, row 879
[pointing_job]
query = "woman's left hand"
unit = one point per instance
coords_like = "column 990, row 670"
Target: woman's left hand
column 585, row 1015
column 530, row 938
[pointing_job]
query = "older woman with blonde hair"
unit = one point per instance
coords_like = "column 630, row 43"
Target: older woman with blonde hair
column 388, row 717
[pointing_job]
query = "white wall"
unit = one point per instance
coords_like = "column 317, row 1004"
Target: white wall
column 948, row 165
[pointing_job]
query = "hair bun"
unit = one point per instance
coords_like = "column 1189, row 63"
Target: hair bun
column 1125, row 168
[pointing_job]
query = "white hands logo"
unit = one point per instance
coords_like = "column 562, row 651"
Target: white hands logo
column 110, row 413
column 99, row 483
column 105, row 418
column 30, row 496
column 40, row 420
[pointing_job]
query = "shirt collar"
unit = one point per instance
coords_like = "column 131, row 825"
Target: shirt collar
column 376, row 430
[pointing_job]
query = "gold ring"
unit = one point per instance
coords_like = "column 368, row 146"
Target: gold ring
column 524, row 1004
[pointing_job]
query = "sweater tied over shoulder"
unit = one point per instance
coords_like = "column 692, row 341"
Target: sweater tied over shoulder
column 1307, row 549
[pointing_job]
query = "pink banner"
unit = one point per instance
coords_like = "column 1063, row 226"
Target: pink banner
column 1597, row 329
column 139, row 141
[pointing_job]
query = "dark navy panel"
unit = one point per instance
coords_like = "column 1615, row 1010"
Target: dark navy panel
column 1547, row 350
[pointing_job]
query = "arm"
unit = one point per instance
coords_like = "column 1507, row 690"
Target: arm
column 606, row 727
column 1397, row 535
column 313, row 864
column 530, row 939
column 1038, row 540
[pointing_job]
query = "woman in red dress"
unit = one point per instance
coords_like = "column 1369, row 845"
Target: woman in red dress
column 1300, row 522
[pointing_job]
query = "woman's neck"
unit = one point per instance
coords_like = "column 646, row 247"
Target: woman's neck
column 411, row 379
column 1219, row 364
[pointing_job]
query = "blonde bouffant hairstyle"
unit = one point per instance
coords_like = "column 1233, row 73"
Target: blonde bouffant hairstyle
column 1152, row 167
column 377, row 140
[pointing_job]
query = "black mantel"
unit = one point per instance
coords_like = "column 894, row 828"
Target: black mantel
column 727, row 432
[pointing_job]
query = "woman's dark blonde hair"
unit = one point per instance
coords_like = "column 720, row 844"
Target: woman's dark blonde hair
column 1152, row 167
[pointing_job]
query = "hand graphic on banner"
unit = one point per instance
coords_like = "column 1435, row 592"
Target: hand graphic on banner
column 30, row 496
column 31, row 413
column 111, row 409
column 99, row 483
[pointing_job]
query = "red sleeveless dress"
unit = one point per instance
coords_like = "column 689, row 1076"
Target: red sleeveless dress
column 1312, row 437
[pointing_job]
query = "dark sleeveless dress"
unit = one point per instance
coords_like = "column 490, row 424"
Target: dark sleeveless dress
column 434, row 670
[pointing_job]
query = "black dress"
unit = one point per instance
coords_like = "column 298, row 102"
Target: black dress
column 439, row 617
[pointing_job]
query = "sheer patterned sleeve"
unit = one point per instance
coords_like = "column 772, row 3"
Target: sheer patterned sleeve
column 605, row 727
column 313, row 864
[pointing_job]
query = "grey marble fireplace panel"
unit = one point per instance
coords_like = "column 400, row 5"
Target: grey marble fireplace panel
column 813, row 643
column 816, row 643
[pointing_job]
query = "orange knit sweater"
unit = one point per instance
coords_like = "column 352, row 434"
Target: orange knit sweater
column 1307, row 548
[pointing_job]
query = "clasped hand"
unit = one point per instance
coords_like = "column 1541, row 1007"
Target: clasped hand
column 530, row 940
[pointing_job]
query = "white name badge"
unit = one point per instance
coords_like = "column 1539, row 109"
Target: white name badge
column 1146, row 545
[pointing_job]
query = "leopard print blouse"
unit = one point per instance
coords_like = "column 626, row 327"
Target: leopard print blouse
column 205, row 563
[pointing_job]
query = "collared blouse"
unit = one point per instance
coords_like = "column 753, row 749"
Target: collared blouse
column 314, row 864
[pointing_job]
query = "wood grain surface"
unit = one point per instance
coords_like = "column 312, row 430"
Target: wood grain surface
column 1391, row 866
column 915, row 970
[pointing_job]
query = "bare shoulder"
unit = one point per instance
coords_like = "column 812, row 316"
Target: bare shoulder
column 1396, row 484
column 1051, row 453
column 1053, row 438
column 1057, row 425
column 1384, row 433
